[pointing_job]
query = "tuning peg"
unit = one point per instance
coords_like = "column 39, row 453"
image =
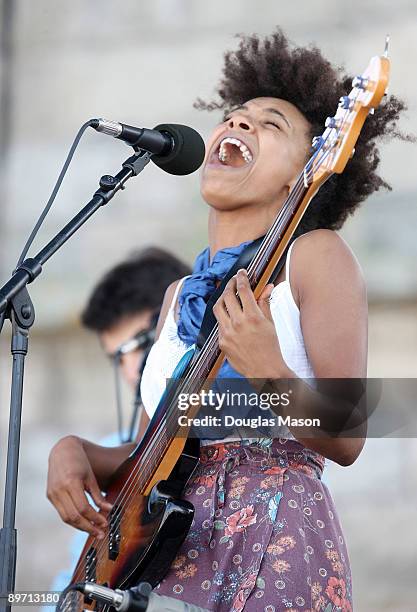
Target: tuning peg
column 353, row 153
column 360, row 82
column 387, row 38
column 372, row 111
column 317, row 142
column 332, row 122
column 346, row 102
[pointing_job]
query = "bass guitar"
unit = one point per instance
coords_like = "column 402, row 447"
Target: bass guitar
column 149, row 519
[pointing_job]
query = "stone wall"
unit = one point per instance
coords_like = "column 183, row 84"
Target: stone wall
column 145, row 63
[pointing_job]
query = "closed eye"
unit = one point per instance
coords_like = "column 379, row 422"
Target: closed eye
column 266, row 122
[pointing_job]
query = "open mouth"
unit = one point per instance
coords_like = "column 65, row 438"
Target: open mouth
column 234, row 153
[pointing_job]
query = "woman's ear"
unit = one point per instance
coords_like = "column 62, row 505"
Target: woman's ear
column 291, row 185
column 295, row 178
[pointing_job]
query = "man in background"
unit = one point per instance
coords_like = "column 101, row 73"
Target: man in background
column 123, row 310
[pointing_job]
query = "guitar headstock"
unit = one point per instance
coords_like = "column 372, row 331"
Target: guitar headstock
column 336, row 145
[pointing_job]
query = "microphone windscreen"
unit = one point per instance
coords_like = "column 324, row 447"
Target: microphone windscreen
column 188, row 152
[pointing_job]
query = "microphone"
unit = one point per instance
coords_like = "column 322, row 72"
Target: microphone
column 177, row 149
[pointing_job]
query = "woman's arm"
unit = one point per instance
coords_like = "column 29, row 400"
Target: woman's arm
column 333, row 306
column 77, row 466
column 331, row 293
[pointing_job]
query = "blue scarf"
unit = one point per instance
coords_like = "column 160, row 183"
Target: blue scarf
column 193, row 298
column 196, row 291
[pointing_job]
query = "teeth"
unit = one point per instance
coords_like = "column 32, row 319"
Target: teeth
column 246, row 154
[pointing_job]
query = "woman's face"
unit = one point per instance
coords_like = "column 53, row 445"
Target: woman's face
column 254, row 157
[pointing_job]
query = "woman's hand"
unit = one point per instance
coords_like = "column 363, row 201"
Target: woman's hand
column 70, row 476
column 247, row 333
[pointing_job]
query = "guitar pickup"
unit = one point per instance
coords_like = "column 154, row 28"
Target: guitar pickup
column 115, row 518
column 91, row 565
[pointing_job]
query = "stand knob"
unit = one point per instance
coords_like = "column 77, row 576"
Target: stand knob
column 107, row 182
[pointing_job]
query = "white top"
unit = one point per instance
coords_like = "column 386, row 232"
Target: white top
column 169, row 348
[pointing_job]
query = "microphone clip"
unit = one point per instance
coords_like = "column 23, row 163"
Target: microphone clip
column 138, row 161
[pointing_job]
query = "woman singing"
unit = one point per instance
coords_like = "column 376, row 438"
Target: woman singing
column 266, row 536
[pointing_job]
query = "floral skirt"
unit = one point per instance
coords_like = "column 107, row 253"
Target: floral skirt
column 265, row 535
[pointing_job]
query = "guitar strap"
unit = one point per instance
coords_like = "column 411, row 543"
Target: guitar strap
column 243, row 261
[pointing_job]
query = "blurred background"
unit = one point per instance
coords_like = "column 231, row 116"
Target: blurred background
column 143, row 64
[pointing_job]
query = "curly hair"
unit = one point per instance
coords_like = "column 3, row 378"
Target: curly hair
column 272, row 67
column 132, row 287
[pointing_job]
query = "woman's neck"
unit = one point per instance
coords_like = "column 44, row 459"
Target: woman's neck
column 228, row 228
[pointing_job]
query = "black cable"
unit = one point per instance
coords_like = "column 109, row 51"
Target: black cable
column 116, row 366
column 49, row 203
column 137, row 404
column 54, row 191
column 144, row 340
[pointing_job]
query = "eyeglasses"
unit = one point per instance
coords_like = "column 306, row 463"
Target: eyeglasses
column 140, row 341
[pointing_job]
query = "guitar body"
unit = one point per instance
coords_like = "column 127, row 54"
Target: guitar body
column 143, row 538
column 147, row 524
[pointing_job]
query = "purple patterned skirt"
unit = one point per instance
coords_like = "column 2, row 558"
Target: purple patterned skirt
column 265, row 535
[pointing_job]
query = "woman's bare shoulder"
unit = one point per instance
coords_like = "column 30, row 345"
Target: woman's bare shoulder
column 168, row 297
column 322, row 257
column 322, row 241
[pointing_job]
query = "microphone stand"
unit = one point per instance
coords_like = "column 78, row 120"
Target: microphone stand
column 16, row 305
